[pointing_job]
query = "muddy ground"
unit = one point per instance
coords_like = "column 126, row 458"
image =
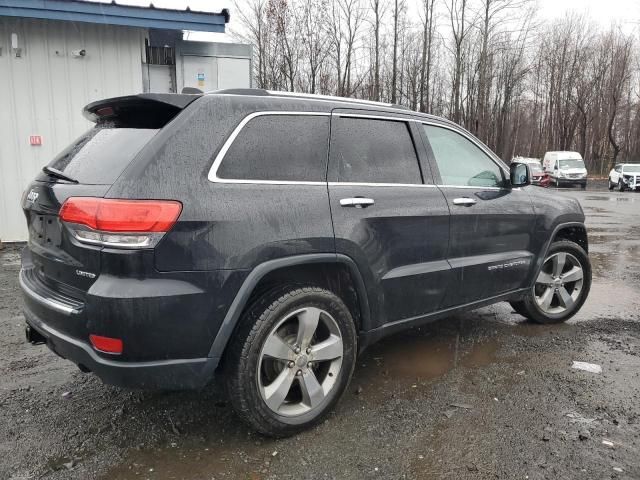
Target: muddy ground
column 479, row 395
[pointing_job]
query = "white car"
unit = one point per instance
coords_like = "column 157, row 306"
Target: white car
column 625, row 175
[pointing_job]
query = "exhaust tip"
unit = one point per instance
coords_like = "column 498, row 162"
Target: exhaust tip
column 33, row 336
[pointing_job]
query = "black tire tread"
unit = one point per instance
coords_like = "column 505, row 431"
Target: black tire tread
column 239, row 350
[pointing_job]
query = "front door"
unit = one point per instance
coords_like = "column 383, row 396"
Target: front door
column 388, row 215
column 491, row 223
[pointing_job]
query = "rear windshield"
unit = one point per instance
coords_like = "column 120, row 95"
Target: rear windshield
column 101, row 154
column 535, row 167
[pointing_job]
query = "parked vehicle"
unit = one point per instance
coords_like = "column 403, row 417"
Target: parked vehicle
column 268, row 238
column 565, row 168
column 625, row 175
column 537, row 174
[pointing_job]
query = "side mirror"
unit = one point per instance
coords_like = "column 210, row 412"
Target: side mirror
column 519, row 175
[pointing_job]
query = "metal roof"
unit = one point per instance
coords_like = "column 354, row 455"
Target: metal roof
column 116, row 14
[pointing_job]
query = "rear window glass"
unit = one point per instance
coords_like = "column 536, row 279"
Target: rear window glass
column 279, row 147
column 101, row 154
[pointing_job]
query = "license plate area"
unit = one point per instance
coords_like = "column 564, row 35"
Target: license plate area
column 45, row 230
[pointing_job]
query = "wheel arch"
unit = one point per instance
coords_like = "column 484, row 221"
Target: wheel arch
column 307, row 268
column 573, row 231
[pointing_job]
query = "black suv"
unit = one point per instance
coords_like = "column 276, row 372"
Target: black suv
column 270, row 237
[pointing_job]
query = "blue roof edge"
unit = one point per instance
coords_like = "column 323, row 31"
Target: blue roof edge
column 115, row 14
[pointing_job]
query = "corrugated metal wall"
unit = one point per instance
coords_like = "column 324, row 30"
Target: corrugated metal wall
column 43, row 92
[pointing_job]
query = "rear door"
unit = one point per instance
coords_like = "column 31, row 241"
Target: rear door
column 388, row 216
column 491, row 223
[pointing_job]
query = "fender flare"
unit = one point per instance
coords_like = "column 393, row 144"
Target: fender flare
column 246, row 289
column 547, row 246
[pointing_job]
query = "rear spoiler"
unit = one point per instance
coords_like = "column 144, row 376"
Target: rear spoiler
column 146, row 110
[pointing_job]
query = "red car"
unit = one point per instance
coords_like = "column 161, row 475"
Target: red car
column 538, row 176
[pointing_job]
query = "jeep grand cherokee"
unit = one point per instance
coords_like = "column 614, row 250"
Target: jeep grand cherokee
column 268, row 238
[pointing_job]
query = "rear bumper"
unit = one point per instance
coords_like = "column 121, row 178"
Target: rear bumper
column 44, row 312
column 190, row 373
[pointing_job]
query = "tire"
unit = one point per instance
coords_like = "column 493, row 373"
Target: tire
column 276, row 318
column 611, row 184
column 583, row 186
column 620, row 186
column 533, row 306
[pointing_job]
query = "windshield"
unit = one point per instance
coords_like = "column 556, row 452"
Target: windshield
column 631, row 169
column 577, row 163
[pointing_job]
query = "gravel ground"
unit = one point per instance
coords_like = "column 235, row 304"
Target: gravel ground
column 479, row 395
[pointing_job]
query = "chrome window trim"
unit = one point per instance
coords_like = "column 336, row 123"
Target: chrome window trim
column 369, row 184
column 473, row 140
column 379, row 117
column 213, row 171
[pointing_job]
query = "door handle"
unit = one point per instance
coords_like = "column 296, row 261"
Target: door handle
column 465, row 201
column 357, row 202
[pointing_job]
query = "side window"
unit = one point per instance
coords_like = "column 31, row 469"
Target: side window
column 279, row 147
column 460, row 161
column 367, row 150
column 618, row 168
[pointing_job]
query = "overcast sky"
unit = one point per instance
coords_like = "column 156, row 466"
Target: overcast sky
column 625, row 12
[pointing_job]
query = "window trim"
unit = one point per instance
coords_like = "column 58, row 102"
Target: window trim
column 213, row 171
column 490, row 155
column 382, row 184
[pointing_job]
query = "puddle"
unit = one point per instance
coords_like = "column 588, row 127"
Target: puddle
column 424, row 357
column 231, row 458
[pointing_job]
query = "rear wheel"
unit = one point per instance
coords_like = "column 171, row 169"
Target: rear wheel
column 291, row 359
column 611, row 184
column 561, row 287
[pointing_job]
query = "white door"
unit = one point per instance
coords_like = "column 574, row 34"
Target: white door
column 200, row 72
column 234, row 73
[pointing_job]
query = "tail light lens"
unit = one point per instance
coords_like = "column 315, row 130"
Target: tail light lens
column 119, row 223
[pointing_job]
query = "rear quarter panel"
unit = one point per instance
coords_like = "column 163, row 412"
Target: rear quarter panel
column 224, row 226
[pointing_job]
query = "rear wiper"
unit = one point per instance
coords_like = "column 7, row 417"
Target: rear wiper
column 54, row 172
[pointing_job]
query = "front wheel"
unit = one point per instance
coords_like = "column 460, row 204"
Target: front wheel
column 291, row 359
column 561, row 287
column 620, row 186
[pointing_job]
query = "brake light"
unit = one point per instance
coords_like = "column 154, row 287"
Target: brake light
column 106, row 344
column 119, row 223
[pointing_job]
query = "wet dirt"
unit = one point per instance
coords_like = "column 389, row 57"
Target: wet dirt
column 479, row 395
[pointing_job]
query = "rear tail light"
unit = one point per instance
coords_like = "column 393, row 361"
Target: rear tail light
column 119, row 223
column 106, row 344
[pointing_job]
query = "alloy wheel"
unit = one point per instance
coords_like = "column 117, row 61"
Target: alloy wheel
column 300, row 362
column 559, row 284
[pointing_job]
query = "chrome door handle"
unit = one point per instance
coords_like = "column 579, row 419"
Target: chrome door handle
column 466, row 201
column 357, row 202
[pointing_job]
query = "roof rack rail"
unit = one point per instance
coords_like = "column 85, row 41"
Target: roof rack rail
column 311, row 96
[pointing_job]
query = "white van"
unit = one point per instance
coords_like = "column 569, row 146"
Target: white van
column 565, row 168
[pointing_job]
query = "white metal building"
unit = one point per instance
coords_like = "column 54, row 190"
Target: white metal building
column 58, row 55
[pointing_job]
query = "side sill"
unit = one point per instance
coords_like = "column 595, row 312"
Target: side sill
column 372, row 336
